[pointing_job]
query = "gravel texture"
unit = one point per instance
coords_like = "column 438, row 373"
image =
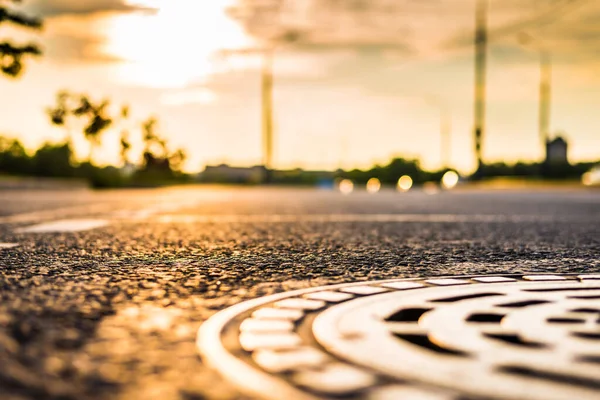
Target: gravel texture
column 112, row 313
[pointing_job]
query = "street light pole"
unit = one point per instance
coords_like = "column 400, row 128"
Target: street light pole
column 267, row 114
column 445, row 127
column 445, row 137
column 266, row 107
column 481, row 8
column 545, row 85
column 545, row 96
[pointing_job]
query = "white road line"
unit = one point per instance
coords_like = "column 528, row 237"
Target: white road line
column 66, row 225
column 8, row 245
column 85, row 224
column 54, row 213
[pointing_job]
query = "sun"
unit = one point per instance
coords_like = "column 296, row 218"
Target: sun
column 174, row 46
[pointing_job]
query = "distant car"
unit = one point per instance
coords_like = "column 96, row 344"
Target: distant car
column 591, row 177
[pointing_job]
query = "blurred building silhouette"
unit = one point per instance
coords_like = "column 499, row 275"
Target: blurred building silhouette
column 254, row 175
column 225, row 173
column 556, row 151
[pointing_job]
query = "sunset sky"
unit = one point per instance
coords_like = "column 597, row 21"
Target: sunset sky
column 363, row 81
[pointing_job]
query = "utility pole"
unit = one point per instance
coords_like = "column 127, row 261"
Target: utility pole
column 445, row 127
column 481, row 9
column 545, row 85
column 343, row 152
column 545, row 96
column 445, row 137
column 267, row 114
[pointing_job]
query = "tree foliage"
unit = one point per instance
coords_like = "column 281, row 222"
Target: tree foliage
column 90, row 118
column 11, row 54
column 157, row 156
column 95, row 116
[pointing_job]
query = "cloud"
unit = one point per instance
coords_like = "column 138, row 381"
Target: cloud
column 75, row 39
column 327, row 24
column 189, row 96
column 424, row 29
column 51, row 8
column 70, row 48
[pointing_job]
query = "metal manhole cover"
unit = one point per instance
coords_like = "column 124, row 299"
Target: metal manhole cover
column 498, row 337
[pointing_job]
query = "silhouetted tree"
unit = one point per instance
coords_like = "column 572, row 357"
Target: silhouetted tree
column 177, row 159
column 60, row 113
column 125, row 147
column 92, row 119
column 125, row 111
column 13, row 157
column 11, row 55
column 125, row 143
column 98, row 122
column 159, row 162
column 154, row 144
column 95, row 117
column 396, row 168
column 53, row 160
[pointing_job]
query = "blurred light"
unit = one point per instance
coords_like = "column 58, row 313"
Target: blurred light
column 592, row 177
column 131, row 37
column 450, row 180
column 326, row 184
column 346, row 186
column 587, row 179
column 405, row 183
column 431, row 188
column 373, row 185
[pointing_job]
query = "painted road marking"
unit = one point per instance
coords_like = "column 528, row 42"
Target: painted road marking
column 36, row 216
column 126, row 216
column 66, row 225
column 85, row 224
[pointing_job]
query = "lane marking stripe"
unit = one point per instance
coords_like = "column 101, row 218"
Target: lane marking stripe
column 67, row 225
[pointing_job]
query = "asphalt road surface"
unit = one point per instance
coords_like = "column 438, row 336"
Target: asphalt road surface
column 102, row 293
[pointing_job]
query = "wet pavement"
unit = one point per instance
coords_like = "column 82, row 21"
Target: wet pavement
column 103, row 294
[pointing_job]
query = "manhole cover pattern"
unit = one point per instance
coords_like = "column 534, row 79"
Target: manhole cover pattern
column 504, row 337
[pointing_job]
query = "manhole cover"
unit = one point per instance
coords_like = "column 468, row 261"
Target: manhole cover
column 500, row 337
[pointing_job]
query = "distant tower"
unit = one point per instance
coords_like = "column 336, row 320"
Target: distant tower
column 556, row 164
column 481, row 8
column 556, row 151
